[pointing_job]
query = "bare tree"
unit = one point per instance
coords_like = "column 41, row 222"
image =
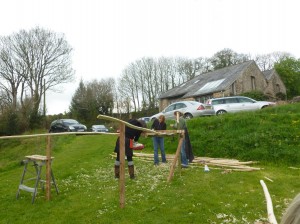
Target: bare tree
column 186, row 69
column 203, row 65
column 128, row 86
column 12, row 71
column 148, row 74
column 44, row 56
column 4, row 101
column 267, row 61
column 164, row 69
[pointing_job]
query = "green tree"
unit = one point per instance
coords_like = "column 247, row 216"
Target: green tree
column 92, row 98
column 289, row 71
column 227, row 57
column 78, row 107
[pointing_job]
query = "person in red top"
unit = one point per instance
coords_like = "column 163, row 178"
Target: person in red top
column 130, row 136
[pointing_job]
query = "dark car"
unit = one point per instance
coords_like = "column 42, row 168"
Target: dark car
column 99, row 128
column 146, row 119
column 66, row 125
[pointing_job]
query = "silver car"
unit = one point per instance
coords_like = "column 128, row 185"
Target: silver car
column 236, row 104
column 99, row 128
column 189, row 109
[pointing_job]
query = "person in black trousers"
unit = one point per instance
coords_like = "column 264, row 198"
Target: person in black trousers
column 131, row 135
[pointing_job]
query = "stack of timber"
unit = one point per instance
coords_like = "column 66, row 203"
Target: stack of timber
column 215, row 163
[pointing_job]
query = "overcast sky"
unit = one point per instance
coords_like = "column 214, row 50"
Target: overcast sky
column 107, row 35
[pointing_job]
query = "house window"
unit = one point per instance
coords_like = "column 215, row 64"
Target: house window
column 203, row 99
column 233, row 89
column 253, row 86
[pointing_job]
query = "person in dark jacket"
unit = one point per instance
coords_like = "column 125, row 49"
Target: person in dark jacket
column 159, row 124
column 131, row 136
column 186, row 147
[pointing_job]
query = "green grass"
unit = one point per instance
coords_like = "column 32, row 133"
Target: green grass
column 83, row 167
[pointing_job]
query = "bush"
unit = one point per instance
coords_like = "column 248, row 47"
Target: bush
column 256, row 95
column 281, row 96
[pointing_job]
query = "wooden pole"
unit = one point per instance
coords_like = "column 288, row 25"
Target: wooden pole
column 122, row 165
column 271, row 216
column 48, row 168
column 177, row 155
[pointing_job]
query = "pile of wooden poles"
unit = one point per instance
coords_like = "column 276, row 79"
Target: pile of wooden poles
column 212, row 163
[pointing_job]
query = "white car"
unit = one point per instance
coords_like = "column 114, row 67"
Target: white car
column 236, row 104
column 189, row 109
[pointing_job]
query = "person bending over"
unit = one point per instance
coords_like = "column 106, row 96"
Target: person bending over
column 131, row 135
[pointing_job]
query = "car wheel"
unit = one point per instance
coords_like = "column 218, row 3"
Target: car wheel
column 221, row 112
column 264, row 107
column 188, row 116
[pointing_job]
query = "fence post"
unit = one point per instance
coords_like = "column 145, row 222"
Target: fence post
column 122, row 165
column 48, row 168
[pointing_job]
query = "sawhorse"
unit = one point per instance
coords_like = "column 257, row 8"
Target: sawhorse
column 38, row 162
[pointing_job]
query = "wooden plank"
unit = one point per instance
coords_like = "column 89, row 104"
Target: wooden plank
column 122, row 165
column 38, row 158
column 164, row 133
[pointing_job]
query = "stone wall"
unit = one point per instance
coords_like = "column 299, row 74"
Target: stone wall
column 244, row 83
column 274, row 86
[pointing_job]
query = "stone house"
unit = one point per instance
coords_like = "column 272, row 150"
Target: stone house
column 229, row 81
column 274, row 84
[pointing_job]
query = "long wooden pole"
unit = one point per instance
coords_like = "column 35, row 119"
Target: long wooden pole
column 48, row 169
column 122, row 165
column 175, row 159
column 271, row 216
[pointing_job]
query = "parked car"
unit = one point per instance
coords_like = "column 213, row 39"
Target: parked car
column 236, row 104
column 146, row 119
column 99, row 128
column 189, row 109
column 67, row 125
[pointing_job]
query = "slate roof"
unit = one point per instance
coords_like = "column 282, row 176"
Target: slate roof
column 209, row 82
column 268, row 74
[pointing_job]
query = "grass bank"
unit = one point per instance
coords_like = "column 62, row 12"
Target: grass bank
column 83, row 167
column 271, row 135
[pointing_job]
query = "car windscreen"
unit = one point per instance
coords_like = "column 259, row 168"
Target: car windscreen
column 70, row 122
column 99, row 126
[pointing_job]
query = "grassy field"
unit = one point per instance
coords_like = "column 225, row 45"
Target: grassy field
column 83, row 167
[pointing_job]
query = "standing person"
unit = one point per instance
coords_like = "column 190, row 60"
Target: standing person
column 159, row 124
column 292, row 213
column 131, row 135
column 186, row 148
